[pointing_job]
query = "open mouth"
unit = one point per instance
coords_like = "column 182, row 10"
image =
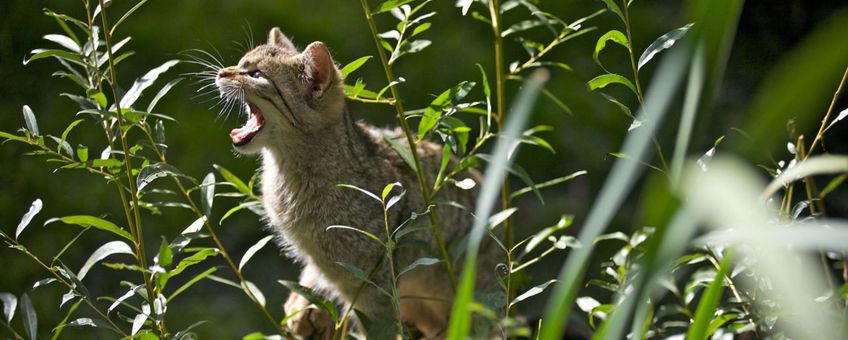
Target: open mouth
column 255, row 122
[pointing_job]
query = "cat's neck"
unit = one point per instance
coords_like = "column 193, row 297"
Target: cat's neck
column 321, row 159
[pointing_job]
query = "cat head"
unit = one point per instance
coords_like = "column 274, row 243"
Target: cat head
column 287, row 93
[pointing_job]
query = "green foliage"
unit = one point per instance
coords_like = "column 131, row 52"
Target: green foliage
column 657, row 280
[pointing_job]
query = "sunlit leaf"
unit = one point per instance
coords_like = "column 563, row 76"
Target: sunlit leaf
column 614, row 36
column 10, row 303
column 665, row 41
column 144, row 82
column 388, row 5
column 91, row 221
column 354, row 65
column 536, row 290
column 34, row 208
column 253, row 249
column 29, row 119
column 603, row 80
column 110, row 248
column 207, row 193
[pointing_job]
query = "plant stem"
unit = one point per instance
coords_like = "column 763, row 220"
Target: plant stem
column 61, row 279
column 215, row 239
column 419, row 170
column 823, row 125
column 636, row 81
column 138, row 235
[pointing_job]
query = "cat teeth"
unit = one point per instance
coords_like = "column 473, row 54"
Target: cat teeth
column 245, row 134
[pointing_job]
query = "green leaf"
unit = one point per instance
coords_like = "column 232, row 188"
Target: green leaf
column 709, row 302
column 60, row 54
column 193, row 259
column 233, row 179
column 313, row 297
column 69, row 128
column 253, row 249
column 613, row 7
column 10, row 303
column 363, row 232
column 34, row 208
column 388, row 189
column 547, row 183
column 402, row 150
column 125, row 16
column 191, row 282
column 366, row 192
column 207, row 193
column 537, row 239
column 354, row 65
column 388, row 5
column 434, row 111
column 609, row 78
column 144, row 82
column 30, row 319
column 10, row 136
column 58, row 330
column 519, row 113
column 252, row 289
column 29, row 119
column 424, row 261
column 91, row 221
column 238, row 208
column 155, row 171
column 446, row 156
column 162, row 92
column 110, row 248
column 82, row 153
column 359, row 274
column 614, row 36
column 536, row 290
column 665, row 41
column 166, row 256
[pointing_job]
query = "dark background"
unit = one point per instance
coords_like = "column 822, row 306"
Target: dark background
column 161, row 30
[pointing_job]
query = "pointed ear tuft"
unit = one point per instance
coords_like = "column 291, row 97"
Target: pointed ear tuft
column 276, row 37
column 320, row 68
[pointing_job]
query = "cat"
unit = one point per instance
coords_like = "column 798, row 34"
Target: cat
column 299, row 125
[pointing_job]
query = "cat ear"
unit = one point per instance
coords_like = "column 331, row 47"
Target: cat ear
column 320, row 68
column 276, row 37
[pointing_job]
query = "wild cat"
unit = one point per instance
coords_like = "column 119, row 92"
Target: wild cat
column 300, row 127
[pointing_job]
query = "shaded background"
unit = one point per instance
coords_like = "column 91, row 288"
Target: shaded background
column 161, row 30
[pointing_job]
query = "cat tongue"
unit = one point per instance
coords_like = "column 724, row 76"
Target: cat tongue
column 245, row 134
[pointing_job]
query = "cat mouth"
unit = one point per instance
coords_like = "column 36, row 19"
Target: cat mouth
column 255, row 122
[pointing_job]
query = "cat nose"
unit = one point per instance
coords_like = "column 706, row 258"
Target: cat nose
column 222, row 73
column 227, row 72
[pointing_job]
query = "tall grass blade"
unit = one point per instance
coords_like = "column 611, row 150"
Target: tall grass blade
column 460, row 323
column 698, row 330
column 618, row 184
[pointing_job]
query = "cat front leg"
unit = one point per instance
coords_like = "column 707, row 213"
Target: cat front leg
column 309, row 322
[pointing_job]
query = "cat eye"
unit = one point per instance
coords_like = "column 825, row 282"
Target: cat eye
column 254, row 74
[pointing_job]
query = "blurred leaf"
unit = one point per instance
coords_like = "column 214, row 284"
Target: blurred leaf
column 110, row 248
column 313, row 297
column 709, row 303
column 354, row 65
column 816, row 165
column 10, row 303
column 388, row 5
column 43, row 282
column 423, row 261
column 144, row 82
column 253, row 249
column 536, row 290
column 30, row 319
column 88, row 322
column 519, row 113
column 832, row 185
column 29, row 119
column 207, row 193
column 34, row 208
column 603, row 80
column 91, row 221
column 665, row 41
column 361, row 276
column 803, row 80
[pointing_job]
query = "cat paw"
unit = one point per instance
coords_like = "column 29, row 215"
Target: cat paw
column 309, row 322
